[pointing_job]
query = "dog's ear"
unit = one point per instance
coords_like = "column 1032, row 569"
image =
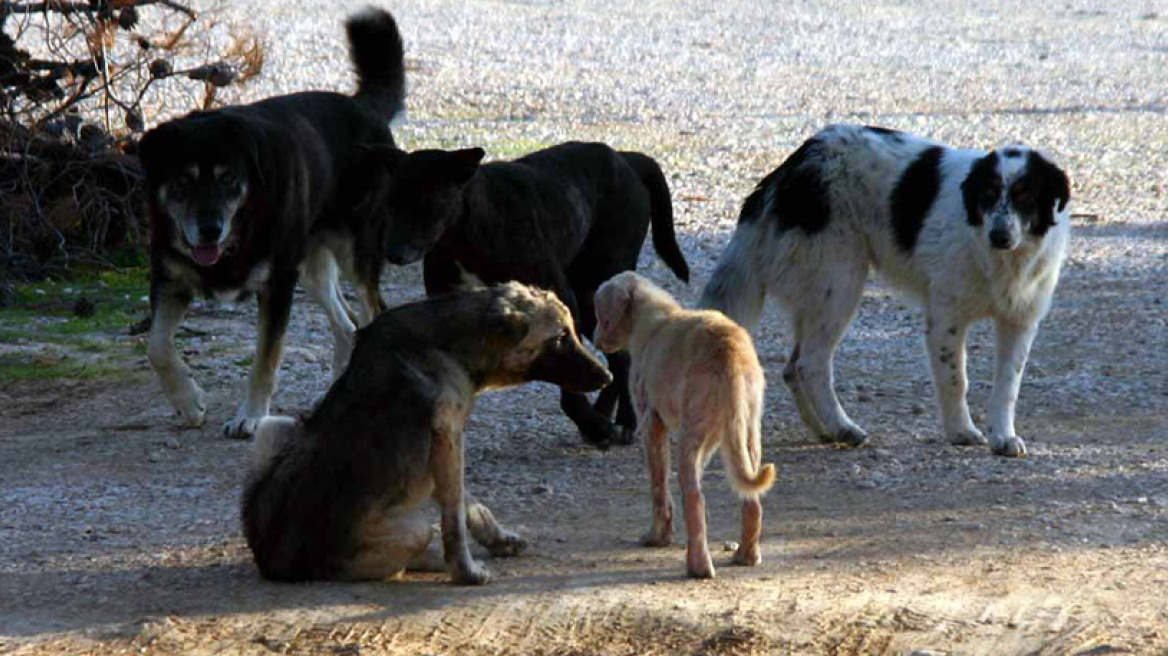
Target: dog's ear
column 981, row 181
column 505, row 323
column 614, row 304
column 1051, row 188
column 387, row 156
column 463, row 164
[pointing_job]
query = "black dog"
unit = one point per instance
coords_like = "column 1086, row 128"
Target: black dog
column 243, row 199
column 341, row 494
column 566, row 218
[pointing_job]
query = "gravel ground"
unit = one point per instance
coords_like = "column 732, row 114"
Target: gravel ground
column 119, row 531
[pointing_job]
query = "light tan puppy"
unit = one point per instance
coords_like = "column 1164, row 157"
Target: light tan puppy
column 694, row 373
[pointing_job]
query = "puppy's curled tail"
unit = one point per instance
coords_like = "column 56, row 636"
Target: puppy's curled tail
column 737, row 287
column 375, row 46
column 742, row 442
column 661, row 211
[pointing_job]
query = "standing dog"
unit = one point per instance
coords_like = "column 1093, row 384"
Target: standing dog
column 341, row 494
column 242, row 199
column 694, row 373
column 566, row 218
column 967, row 233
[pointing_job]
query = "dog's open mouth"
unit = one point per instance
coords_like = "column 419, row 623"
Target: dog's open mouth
column 206, row 255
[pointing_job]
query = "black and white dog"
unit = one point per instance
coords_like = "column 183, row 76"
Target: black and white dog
column 244, row 199
column 969, row 234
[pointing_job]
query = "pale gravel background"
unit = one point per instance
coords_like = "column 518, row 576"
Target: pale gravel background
column 116, row 524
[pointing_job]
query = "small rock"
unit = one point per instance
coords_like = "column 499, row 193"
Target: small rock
column 171, row 443
column 927, row 652
column 729, row 545
column 84, row 308
column 154, row 456
column 867, row 485
column 541, row 488
column 917, row 409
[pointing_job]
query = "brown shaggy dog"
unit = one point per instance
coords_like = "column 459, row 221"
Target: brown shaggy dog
column 694, row 373
column 345, row 492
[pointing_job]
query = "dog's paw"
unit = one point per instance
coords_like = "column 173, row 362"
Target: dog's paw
column 698, row 563
column 968, row 437
column 190, row 403
column 657, row 539
column 625, row 436
column 852, row 436
column 242, row 428
column 1010, row 447
column 472, row 573
column 507, row 545
column 747, row 556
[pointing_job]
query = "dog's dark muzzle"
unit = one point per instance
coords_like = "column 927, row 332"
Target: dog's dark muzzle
column 572, row 368
column 1000, row 239
column 402, row 254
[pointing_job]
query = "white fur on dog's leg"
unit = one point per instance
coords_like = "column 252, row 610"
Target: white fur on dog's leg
column 190, row 403
column 1010, row 447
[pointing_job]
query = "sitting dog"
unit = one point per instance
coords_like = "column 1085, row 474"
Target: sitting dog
column 694, row 373
column 967, row 233
column 243, row 199
column 566, row 218
column 341, row 494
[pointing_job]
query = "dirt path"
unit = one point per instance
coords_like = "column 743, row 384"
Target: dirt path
column 119, row 530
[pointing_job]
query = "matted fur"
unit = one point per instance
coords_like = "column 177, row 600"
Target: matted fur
column 969, row 234
column 344, row 493
column 694, row 374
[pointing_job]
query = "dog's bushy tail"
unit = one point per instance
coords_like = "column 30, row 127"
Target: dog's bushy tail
column 661, row 211
column 738, row 286
column 375, row 46
column 742, row 442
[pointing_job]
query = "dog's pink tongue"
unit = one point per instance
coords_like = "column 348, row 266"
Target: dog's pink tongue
column 205, row 255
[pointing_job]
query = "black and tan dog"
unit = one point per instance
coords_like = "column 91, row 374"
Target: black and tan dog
column 565, row 218
column 244, row 199
column 343, row 493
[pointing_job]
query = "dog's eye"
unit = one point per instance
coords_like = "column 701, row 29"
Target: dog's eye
column 226, row 180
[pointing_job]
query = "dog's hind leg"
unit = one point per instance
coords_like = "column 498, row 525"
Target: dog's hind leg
column 656, row 440
column 488, row 532
column 692, row 456
column 822, row 312
column 1013, row 349
column 275, row 305
column 389, row 546
column 177, row 382
column 322, row 284
column 792, row 377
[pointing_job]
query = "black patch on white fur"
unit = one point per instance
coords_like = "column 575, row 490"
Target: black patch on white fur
column 981, row 189
column 1011, row 153
column 798, row 191
column 1049, row 185
column 914, row 195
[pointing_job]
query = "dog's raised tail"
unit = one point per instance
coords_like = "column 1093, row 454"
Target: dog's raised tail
column 737, row 287
column 742, row 443
column 375, row 46
column 661, row 211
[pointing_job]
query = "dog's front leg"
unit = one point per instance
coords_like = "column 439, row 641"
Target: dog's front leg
column 446, row 463
column 275, row 304
column 1013, row 349
column 185, row 395
column 945, row 337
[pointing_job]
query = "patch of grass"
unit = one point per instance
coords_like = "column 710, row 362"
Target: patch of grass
column 45, row 311
column 24, row 366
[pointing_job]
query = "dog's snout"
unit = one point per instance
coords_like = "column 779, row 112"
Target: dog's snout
column 1000, row 239
column 209, row 232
